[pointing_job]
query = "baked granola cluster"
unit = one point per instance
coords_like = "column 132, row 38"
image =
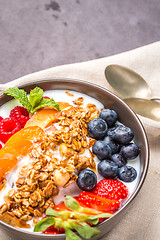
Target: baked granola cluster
column 54, row 162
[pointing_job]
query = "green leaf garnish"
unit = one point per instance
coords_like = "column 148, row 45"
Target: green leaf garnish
column 35, row 96
column 72, row 204
column 52, row 213
column 86, row 231
column 76, row 219
column 94, row 219
column 44, row 224
column 20, row 95
column 46, row 103
column 71, row 235
column 35, row 100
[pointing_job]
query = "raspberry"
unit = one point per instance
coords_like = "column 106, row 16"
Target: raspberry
column 20, row 114
column 0, row 146
column 8, row 127
column 1, row 118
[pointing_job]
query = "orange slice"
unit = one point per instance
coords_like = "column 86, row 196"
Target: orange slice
column 17, row 146
column 46, row 116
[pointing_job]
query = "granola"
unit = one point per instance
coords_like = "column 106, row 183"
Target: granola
column 54, row 162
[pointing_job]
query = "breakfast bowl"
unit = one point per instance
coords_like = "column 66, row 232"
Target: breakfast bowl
column 126, row 116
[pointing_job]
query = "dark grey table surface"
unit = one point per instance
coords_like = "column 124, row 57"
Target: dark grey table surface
column 35, row 35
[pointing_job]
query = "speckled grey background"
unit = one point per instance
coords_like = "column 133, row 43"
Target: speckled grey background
column 39, row 34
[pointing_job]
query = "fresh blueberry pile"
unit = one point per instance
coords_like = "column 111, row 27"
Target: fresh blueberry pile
column 114, row 148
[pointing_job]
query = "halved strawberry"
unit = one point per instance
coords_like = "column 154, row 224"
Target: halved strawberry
column 91, row 200
column 111, row 188
column 62, row 207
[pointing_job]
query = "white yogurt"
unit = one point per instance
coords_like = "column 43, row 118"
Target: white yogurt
column 72, row 190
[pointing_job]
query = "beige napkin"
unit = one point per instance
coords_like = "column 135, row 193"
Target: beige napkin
column 142, row 220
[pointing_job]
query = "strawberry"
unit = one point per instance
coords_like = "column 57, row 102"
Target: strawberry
column 101, row 204
column 53, row 230
column 111, row 188
column 61, row 207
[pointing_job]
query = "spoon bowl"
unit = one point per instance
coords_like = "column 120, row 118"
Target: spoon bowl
column 145, row 107
column 127, row 83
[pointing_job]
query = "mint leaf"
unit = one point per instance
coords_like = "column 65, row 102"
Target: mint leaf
column 20, row 95
column 44, row 224
column 46, row 103
column 71, row 235
column 35, row 96
column 85, row 230
column 72, row 204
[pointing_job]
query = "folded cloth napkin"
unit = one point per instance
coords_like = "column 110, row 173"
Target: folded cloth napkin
column 142, row 220
column 144, row 60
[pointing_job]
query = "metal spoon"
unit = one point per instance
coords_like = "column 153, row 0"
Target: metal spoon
column 128, row 83
column 145, row 107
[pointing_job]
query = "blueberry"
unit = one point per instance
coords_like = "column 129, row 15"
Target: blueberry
column 113, row 145
column 119, row 160
column 107, row 169
column 97, row 128
column 122, row 134
column 127, row 174
column 86, row 180
column 117, row 124
column 102, row 150
column 111, row 132
column 130, row 151
column 110, row 116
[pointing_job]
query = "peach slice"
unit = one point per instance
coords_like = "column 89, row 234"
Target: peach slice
column 17, row 146
column 46, row 116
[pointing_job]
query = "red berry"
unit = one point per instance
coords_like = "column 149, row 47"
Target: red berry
column 0, row 146
column 53, row 230
column 1, row 118
column 8, row 127
column 46, row 97
column 20, row 114
column 111, row 188
column 101, row 204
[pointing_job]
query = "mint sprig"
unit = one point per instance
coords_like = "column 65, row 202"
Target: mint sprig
column 35, row 100
column 72, row 220
column 20, row 95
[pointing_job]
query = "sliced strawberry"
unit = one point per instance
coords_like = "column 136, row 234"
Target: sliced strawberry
column 86, row 210
column 61, row 207
column 101, row 204
column 53, row 230
column 111, row 188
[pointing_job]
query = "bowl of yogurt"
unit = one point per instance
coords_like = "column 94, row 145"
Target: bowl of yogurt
column 76, row 92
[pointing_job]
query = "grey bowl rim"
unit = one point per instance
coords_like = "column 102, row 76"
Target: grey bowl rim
column 144, row 174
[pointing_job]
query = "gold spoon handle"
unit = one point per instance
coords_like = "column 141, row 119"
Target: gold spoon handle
column 155, row 98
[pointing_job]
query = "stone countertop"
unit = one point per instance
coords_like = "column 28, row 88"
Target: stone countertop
column 36, row 35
